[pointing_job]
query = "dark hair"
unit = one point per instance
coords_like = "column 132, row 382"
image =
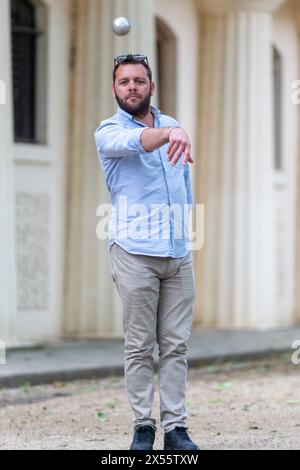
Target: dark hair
column 132, row 60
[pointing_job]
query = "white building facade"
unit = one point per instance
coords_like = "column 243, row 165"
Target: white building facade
column 229, row 71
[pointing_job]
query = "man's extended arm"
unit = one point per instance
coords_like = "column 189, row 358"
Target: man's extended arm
column 113, row 141
column 153, row 138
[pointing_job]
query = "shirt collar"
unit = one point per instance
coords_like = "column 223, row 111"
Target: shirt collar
column 156, row 113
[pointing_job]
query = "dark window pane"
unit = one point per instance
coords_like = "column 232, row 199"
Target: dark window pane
column 277, row 96
column 24, row 36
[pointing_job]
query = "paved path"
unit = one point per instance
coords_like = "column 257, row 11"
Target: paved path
column 69, row 360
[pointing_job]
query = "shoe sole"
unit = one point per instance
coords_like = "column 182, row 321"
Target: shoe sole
column 171, row 448
column 141, row 449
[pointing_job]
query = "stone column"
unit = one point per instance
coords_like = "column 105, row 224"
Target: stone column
column 92, row 306
column 297, row 280
column 235, row 269
column 7, row 258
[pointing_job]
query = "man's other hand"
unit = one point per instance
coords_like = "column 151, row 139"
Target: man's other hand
column 179, row 143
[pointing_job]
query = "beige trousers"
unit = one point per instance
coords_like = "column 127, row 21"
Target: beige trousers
column 157, row 294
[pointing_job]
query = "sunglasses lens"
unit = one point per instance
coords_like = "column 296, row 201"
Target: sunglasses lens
column 139, row 57
column 120, row 59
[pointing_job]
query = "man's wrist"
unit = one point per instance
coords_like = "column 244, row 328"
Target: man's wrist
column 170, row 130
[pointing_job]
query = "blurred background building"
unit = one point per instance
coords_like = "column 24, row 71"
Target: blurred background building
column 226, row 70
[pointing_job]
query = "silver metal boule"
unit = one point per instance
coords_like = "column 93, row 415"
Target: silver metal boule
column 121, row 26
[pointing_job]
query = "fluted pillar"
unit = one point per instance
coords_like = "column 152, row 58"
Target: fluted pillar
column 236, row 267
column 7, row 268
column 297, row 97
column 92, row 306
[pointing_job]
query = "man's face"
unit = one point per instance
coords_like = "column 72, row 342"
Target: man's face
column 132, row 89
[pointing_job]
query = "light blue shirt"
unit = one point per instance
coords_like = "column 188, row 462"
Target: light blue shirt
column 150, row 197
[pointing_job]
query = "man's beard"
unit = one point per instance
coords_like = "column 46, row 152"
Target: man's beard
column 139, row 109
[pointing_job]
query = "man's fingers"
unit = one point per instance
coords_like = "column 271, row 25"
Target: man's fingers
column 173, row 144
column 175, row 150
column 177, row 155
column 187, row 156
column 172, row 149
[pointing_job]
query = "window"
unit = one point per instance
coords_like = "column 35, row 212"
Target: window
column 166, row 67
column 277, row 100
column 29, row 71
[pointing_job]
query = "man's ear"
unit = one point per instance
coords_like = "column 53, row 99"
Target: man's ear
column 152, row 88
column 113, row 90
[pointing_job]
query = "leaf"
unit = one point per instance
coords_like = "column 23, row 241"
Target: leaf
column 225, row 384
column 212, row 368
column 112, row 404
column 91, row 389
column 102, row 415
column 211, row 425
column 25, row 387
column 189, row 403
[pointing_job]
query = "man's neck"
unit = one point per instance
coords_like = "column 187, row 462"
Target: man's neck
column 148, row 119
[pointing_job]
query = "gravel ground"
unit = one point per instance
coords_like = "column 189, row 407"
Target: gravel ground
column 246, row 405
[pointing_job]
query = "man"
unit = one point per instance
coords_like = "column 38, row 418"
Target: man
column 145, row 157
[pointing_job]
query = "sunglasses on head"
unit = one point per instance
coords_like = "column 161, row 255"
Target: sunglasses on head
column 140, row 58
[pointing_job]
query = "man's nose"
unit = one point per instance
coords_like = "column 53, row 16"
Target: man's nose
column 132, row 85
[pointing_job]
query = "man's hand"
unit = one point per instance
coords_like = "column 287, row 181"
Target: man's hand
column 179, row 144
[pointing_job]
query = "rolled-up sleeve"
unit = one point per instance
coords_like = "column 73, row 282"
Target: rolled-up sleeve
column 114, row 141
column 188, row 185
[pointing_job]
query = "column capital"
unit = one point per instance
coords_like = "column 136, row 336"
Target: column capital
column 230, row 6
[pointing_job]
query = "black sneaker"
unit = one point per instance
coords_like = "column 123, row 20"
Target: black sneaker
column 143, row 438
column 178, row 439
